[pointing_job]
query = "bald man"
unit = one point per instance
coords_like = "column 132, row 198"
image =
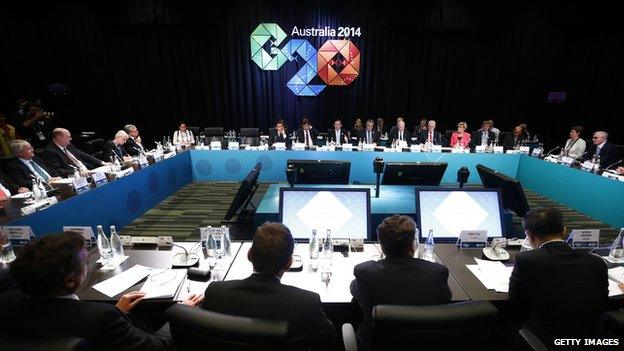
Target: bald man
column 63, row 157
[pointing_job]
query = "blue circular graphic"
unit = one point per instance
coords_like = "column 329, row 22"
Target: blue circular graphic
column 203, row 167
column 173, row 176
column 133, row 201
column 233, row 166
column 266, row 161
column 153, row 183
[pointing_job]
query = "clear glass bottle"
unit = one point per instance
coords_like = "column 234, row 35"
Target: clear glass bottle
column 617, row 248
column 35, row 190
column 104, row 247
column 115, row 243
column 428, row 252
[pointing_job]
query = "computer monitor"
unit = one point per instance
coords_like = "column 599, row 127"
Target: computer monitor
column 345, row 211
column 511, row 189
column 448, row 211
column 413, row 173
column 321, row 171
column 245, row 192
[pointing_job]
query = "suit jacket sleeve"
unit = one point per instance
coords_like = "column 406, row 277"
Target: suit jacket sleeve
column 53, row 161
column 323, row 336
column 119, row 334
column 518, row 293
column 85, row 157
column 17, row 175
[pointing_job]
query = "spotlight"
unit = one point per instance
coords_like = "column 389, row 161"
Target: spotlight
column 462, row 176
column 378, row 167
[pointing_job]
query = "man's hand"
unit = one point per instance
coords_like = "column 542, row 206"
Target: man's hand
column 3, row 196
column 128, row 301
column 23, row 190
column 193, row 300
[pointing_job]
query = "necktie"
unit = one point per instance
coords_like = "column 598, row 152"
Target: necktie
column 76, row 162
column 400, row 135
column 307, row 138
column 338, row 137
column 598, row 149
column 484, row 139
column 119, row 151
column 368, row 137
column 40, row 172
column 430, row 137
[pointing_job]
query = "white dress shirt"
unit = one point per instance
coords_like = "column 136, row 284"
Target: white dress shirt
column 32, row 169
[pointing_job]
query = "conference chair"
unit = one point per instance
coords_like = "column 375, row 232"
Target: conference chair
column 47, row 344
column 213, row 134
column 93, row 146
column 194, row 329
column 468, row 325
column 194, row 130
column 250, row 136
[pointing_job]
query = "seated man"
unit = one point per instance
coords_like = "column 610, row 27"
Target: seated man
column 399, row 279
column 484, row 136
column 369, row 135
column 306, row 134
column 278, row 134
column 430, row 135
column 49, row 271
column 64, row 158
column 602, row 148
column 563, row 290
column 133, row 146
column 400, row 134
column 26, row 166
column 263, row 296
column 114, row 148
column 337, row 135
column 515, row 139
column 8, row 188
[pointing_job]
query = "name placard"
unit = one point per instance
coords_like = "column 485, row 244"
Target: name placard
column 368, row 147
column 215, row 145
column 567, row 160
column 298, row 146
column 537, row 152
column 524, row 150
column 233, row 145
column 436, row 148
column 143, row 162
column 480, row 149
column 86, row 232
column 589, row 166
column 99, row 178
column 18, row 235
column 347, row 147
column 472, row 239
column 279, row 146
column 81, row 185
column 498, row 149
column 585, row 238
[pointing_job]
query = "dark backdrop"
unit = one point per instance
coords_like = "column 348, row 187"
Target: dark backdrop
column 155, row 62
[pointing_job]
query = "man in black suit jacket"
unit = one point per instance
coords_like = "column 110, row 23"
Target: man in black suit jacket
column 61, row 156
column 337, row 135
column 400, row 133
column 601, row 147
column 278, row 134
column 369, row 135
column 48, row 272
column 25, row 166
column 563, row 290
column 399, row 279
column 263, row 296
column 8, row 184
column 114, row 148
column 430, row 134
column 516, row 138
column 133, row 146
column 306, row 134
column 483, row 136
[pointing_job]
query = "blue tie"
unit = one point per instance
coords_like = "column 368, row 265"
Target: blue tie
column 39, row 171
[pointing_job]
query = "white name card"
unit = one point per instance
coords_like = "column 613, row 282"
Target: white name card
column 456, row 150
column 415, row 148
column 279, row 146
column 473, row 239
column 86, row 232
column 99, row 178
column 585, row 238
column 368, row 147
column 124, row 173
column 168, row 156
column 480, row 149
column 347, row 147
column 401, row 143
column 537, row 152
column 233, row 145
column 498, row 149
column 589, row 166
column 436, row 148
column 18, row 235
column 26, row 210
column 81, row 185
column 511, row 152
column 215, row 145
column 143, row 162
column 524, row 150
column 612, row 175
column 298, row 146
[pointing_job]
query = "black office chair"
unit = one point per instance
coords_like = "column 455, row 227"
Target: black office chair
column 213, row 134
column 455, row 326
column 193, row 329
column 250, row 136
column 194, row 130
column 48, row 344
column 93, row 146
column 100, row 156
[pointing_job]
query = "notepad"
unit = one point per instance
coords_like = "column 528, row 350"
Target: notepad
column 163, row 283
column 122, row 281
column 617, row 274
column 492, row 274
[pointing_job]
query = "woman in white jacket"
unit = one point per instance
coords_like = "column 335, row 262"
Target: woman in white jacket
column 183, row 136
column 575, row 146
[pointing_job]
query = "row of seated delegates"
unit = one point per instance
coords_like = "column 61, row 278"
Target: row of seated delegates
column 48, row 273
column 183, row 136
column 601, row 147
column 114, row 149
column 63, row 158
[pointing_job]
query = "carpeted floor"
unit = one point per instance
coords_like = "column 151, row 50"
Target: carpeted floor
column 205, row 203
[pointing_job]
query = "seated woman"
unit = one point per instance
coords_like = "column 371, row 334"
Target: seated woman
column 575, row 146
column 183, row 136
column 460, row 138
column 357, row 127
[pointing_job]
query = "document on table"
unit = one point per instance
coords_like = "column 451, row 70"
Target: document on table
column 163, row 283
column 492, row 274
column 122, row 281
column 616, row 275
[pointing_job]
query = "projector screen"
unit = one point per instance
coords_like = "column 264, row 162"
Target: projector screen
column 449, row 211
column 344, row 211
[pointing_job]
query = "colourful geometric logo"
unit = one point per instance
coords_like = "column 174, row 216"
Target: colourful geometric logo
column 337, row 62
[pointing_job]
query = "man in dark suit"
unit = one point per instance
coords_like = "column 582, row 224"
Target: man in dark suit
column 369, row 135
column 278, row 134
column 430, row 135
column 337, row 135
column 602, row 148
column 563, row 290
column 483, row 136
column 399, row 279
column 263, row 296
column 25, row 166
column 48, row 272
column 8, row 188
column 400, row 134
column 515, row 139
column 64, row 158
column 306, row 134
column 133, row 146
column 114, row 148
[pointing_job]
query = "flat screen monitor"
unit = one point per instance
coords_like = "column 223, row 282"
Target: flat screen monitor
column 244, row 193
column 321, row 171
column 413, row 173
column 449, row 211
column 511, row 189
column 345, row 211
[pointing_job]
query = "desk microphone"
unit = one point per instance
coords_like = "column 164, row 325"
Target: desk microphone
column 551, row 151
column 611, row 165
column 185, row 259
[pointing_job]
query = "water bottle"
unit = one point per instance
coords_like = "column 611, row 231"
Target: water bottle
column 104, row 247
column 428, row 249
column 328, row 246
column 327, row 254
column 35, row 190
column 227, row 242
column 77, row 174
column 314, row 248
column 617, row 248
column 115, row 243
column 42, row 190
column 164, row 142
column 596, row 164
column 211, row 246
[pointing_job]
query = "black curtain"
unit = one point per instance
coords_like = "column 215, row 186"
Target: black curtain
column 156, row 62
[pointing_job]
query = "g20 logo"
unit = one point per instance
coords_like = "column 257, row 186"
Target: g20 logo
column 337, row 62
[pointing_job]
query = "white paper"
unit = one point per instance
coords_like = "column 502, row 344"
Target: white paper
column 493, row 274
column 163, row 283
column 614, row 289
column 122, row 281
column 617, row 274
